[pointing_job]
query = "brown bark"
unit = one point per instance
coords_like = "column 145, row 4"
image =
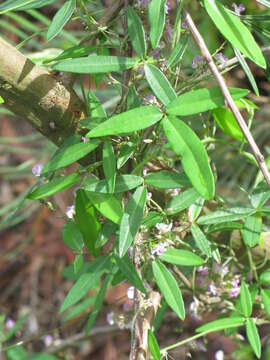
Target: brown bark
column 33, row 93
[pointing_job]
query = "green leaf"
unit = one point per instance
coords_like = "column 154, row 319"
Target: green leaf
column 169, row 288
column 167, row 180
column 73, row 52
column 247, row 71
column 151, row 219
column 157, row 17
column 201, row 240
column 224, row 216
column 181, row 257
column 201, row 100
column 1, row 100
column 253, row 337
column 195, row 209
column 107, row 230
column 153, row 345
column 182, row 201
column 224, row 226
column 109, row 165
column 193, row 155
column 67, row 155
column 159, row 84
column 60, row 19
column 227, row 123
column 17, row 353
column 54, row 186
column 84, row 284
column 11, row 5
column 98, row 302
column 178, row 52
column 107, row 205
column 260, row 195
column 245, row 300
column 72, row 236
column 87, row 220
column 96, row 110
column 130, row 273
column 142, row 117
column 131, row 219
column 221, row 324
column 96, row 64
column 252, row 230
column 234, row 31
column 136, row 32
column 125, row 153
column 78, row 263
column 265, row 294
column 122, row 183
column 265, row 277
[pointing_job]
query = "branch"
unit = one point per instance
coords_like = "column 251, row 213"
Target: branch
column 228, row 99
column 36, row 95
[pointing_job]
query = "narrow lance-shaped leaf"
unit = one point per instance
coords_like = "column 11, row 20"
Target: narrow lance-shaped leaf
column 227, row 123
column 201, row 100
column 83, row 285
column 159, row 84
column 131, row 219
column 252, row 230
column 108, row 205
column 67, row 155
column 127, row 122
column 181, row 257
column 221, row 324
column 182, row 201
column 234, row 31
column 167, row 180
column 96, row 64
column 178, row 51
column 98, row 302
column 130, row 273
column 224, row 216
column 253, row 337
column 245, row 300
column 247, row 71
column 72, row 236
column 201, row 240
column 122, row 183
column 60, row 19
column 193, row 155
column 136, row 32
column 265, row 277
column 87, row 220
column 109, row 165
column 11, row 5
column 157, row 16
column 265, row 294
column 153, row 345
column 54, row 186
column 169, row 288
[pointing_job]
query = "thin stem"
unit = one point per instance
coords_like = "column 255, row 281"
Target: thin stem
column 252, row 265
column 228, row 98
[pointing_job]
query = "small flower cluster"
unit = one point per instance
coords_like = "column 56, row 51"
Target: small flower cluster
column 238, row 9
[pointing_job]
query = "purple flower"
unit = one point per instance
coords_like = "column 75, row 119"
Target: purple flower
column 203, row 270
column 156, row 53
column 169, row 30
column 193, row 308
column 150, row 99
column 160, row 248
column 235, row 288
column 10, row 323
column 221, row 58
column 238, row 9
column 213, row 289
column 167, row 7
column 110, row 318
column 48, row 340
column 70, row 211
column 197, row 61
column 126, row 307
column 37, row 170
column 83, row 139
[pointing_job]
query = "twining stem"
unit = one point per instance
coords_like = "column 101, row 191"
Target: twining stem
column 228, row 98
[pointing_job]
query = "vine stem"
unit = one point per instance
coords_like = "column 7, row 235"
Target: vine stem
column 228, row 98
